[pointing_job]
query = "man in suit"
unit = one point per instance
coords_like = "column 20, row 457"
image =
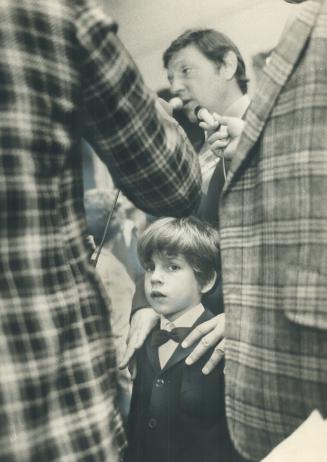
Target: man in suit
column 273, row 228
column 205, row 69
column 66, row 76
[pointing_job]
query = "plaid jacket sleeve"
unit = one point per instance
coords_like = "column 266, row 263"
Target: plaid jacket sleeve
column 146, row 153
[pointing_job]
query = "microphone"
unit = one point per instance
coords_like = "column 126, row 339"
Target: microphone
column 175, row 103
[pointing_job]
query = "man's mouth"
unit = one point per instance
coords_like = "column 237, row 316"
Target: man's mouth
column 186, row 103
column 189, row 106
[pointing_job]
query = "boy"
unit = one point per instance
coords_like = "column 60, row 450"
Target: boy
column 177, row 413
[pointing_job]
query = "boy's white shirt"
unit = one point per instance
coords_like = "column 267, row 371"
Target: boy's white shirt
column 187, row 319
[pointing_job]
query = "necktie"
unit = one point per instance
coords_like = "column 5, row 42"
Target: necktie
column 159, row 337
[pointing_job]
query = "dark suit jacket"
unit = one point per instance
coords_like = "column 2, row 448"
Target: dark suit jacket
column 177, row 414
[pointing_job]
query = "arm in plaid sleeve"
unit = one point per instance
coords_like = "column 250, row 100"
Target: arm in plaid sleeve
column 146, row 153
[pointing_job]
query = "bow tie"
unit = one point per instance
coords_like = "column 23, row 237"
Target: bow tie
column 159, row 337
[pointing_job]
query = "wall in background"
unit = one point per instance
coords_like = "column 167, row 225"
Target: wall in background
column 147, row 27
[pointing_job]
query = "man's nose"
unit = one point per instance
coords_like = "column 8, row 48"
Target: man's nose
column 177, row 85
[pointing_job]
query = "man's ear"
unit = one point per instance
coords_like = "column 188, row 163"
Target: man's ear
column 230, row 65
column 209, row 284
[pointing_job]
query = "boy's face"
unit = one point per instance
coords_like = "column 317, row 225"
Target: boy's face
column 197, row 81
column 171, row 286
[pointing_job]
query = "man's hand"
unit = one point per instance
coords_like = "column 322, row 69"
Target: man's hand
column 142, row 323
column 224, row 140
column 210, row 334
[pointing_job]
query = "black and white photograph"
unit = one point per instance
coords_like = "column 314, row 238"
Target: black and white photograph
column 163, row 235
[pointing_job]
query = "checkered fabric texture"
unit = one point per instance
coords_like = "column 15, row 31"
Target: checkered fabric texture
column 64, row 75
column 273, row 218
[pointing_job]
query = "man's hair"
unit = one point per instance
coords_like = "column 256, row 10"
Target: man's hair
column 214, row 45
column 195, row 240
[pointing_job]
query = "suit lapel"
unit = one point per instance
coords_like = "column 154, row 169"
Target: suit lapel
column 274, row 76
column 181, row 353
column 152, row 352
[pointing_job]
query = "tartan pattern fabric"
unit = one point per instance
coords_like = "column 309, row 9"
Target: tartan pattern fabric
column 64, row 74
column 273, row 220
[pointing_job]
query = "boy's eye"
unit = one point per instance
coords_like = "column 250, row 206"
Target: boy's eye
column 173, row 267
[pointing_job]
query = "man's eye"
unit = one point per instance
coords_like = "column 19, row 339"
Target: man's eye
column 186, row 70
column 173, row 267
column 148, row 269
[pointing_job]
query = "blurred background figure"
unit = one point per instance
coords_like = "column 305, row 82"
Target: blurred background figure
column 128, row 221
column 116, row 274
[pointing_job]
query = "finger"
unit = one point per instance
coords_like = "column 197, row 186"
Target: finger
column 218, row 118
column 215, row 358
column 197, row 333
column 221, row 144
column 217, row 136
column 132, row 367
column 209, row 124
column 206, row 126
column 230, row 150
column 132, row 346
column 126, row 358
column 234, row 125
column 205, row 344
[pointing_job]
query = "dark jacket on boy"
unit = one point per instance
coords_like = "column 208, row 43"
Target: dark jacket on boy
column 177, row 413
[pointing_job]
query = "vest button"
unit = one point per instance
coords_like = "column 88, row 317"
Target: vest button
column 160, row 383
column 152, row 423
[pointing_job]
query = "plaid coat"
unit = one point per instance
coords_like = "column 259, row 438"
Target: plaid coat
column 273, row 218
column 64, row 74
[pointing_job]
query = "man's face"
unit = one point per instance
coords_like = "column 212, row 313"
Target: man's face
column 197, row 81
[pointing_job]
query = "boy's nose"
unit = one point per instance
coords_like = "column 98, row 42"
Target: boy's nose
column 156, row 277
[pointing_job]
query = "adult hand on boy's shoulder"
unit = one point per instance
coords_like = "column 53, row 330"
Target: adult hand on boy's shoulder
column 209, row 334
column 142, row 322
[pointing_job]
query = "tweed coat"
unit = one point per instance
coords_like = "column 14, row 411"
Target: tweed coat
column 65, row 75
column 273, row 220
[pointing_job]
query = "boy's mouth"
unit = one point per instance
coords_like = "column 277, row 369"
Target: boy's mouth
column 157, row 294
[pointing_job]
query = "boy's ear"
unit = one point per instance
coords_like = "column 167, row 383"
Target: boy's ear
column 209, row 284
column 230, row 65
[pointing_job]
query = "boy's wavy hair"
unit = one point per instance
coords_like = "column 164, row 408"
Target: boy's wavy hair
column 195, row 240
column 214, row 45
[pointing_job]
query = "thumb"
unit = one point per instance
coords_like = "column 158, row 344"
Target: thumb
column 234, row 125
column 132, row 367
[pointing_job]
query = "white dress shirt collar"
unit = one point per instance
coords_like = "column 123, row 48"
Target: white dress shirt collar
column 239, row 107
column 187, row 319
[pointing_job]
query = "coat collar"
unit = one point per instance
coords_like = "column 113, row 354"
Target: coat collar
column 274, row 76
